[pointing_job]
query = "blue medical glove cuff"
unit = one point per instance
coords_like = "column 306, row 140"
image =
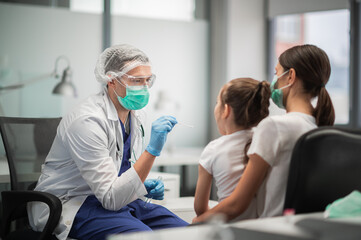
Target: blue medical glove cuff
column 149, row 184
column 153, row 151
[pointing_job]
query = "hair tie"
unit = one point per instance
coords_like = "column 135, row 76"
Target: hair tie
column 322, row 85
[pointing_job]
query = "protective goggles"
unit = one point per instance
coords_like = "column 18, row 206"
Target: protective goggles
column 137, row 80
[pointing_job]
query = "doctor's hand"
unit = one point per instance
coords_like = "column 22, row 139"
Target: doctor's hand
column 160, row 129
column 155, row 189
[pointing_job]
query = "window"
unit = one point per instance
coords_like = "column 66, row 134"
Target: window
column 162, row 9
column 90, row 6
column 328, row 30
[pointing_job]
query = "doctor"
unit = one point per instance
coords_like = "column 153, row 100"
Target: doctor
column 97, row 165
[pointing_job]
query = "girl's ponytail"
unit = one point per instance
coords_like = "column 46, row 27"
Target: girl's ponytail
column 264, row 95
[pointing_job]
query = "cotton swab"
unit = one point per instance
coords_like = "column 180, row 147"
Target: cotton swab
column 185, row 125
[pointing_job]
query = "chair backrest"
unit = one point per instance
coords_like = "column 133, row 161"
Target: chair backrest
column 325, row 166
column 27, row 142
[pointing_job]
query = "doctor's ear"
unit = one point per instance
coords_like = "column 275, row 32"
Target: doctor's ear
column 111, row 83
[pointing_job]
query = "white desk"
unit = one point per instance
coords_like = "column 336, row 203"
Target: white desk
column 179, row 157
column 182, row 157
column 305, row 226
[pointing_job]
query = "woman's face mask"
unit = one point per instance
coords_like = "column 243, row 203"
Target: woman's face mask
column 136, row 97
column 277, row 94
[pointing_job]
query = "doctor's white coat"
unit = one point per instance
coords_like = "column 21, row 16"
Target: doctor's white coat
column 84, row 161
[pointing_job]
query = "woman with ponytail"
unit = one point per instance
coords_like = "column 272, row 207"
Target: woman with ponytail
column 301, row 75
column 241, row 104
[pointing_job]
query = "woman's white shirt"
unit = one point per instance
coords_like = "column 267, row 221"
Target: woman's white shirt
column 224, row 159
column 274, row 140
column 84, row 161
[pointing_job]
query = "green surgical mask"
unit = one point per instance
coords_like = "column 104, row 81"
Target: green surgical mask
column 348, row 206
column 277, row 94
column 136, row 97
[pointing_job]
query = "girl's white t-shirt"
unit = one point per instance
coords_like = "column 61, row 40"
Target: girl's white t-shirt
column 224, row 159
column 274, row 140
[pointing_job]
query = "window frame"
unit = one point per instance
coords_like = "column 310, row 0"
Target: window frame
column 354, row 66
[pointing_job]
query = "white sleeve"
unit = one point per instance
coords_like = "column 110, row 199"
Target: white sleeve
column 207, row 158
column 87, row 142
column 266, row 141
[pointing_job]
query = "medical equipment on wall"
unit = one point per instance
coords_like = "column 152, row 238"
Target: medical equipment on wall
column 65, row 87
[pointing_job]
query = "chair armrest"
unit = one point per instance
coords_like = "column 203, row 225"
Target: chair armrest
column 14, row 207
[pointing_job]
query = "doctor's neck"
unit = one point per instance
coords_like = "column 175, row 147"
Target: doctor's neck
column 123, row 114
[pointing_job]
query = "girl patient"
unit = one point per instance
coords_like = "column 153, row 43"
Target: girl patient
column 241, row 104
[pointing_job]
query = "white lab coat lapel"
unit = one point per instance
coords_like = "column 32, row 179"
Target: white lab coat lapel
column 137, row 144
column 113, row 116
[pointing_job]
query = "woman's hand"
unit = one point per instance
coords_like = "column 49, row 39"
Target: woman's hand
column 195, row 220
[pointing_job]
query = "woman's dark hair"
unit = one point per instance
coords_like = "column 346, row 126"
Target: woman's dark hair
column 249, row 100
column 312, row 66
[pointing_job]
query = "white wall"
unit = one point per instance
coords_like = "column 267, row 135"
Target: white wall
column 247, row 39
column 32, row 38
column 238, row 45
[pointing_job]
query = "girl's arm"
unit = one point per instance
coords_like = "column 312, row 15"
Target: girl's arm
column 203, row 191
column 241, row 197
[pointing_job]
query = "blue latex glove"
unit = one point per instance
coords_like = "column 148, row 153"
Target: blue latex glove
column 160, row 129
column 155, row 189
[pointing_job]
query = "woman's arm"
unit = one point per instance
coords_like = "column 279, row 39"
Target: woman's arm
column 203, row 191
column 247, row 187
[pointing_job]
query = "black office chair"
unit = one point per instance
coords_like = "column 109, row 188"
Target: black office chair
column 27, row 142
column 325, row 166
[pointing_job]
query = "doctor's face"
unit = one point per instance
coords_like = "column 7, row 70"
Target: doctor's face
column 130, row 79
